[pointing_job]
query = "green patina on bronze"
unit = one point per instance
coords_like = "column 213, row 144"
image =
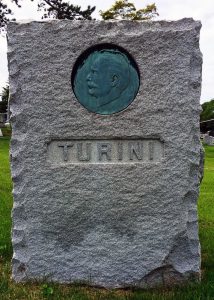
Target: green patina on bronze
column 106, row 81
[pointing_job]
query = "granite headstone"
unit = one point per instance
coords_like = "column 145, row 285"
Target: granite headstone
column 107, row 195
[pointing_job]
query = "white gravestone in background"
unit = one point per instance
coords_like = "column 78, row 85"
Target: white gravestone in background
column 105, row 187
column 208, row 139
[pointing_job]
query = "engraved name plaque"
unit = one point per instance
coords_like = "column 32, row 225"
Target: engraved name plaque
column 105, row 151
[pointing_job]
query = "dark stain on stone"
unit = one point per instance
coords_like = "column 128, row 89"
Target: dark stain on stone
column 21, row 268
column 72, row 226
column 165, row 275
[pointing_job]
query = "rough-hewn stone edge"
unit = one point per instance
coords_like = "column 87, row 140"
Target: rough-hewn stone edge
column 131, row 27
column 19, row 226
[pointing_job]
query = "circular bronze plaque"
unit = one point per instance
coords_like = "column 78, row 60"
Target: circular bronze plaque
column 105, row 79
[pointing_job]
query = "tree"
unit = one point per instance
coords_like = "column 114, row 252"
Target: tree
column 59, row 9
column 208, row 110
column 124, row 10
column 4, row 96
column 6, row 13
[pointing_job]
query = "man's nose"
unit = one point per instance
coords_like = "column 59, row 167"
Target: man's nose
column 88, row 77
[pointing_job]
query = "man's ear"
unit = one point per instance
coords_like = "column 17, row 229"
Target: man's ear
column 114, row 80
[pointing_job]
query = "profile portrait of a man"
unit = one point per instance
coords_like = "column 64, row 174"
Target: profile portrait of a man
column 110, row 82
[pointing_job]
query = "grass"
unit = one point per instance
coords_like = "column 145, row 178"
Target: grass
column 38, row 291
column 5, row 200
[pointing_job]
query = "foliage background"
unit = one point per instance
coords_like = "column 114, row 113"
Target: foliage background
column 207, row 110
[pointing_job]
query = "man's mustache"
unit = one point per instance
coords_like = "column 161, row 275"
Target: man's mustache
column 91, row 84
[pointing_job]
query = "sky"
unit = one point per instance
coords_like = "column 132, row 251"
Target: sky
column 167, row 9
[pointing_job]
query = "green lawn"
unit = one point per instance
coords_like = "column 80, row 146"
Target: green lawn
column 5, row 199
column 38, row 291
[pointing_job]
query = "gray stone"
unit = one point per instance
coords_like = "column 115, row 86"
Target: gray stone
column 208, row 140
column 106, row 199
column 1, row 132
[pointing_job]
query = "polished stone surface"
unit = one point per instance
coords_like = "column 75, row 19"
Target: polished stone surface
column 106, row 199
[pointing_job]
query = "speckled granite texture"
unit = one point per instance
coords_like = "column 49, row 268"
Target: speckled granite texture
column 111, row 225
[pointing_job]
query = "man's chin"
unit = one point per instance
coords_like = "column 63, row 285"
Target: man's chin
column 92, row 92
